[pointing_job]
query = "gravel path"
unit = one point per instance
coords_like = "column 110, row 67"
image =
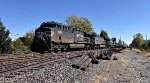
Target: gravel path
column 129, row 68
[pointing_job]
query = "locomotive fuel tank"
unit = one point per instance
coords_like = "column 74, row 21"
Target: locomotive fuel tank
column 100, row 42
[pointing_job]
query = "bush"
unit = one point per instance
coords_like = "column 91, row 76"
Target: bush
column 23, row 44
column 19, row 47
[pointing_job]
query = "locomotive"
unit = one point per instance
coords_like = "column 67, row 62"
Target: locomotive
column 54, row 36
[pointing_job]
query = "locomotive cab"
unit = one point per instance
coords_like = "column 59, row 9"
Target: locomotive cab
column 42, row 38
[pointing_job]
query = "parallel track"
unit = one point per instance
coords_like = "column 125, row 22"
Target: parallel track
column 11, row 65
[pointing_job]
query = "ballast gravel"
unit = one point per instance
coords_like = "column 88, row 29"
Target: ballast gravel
column 130, row 67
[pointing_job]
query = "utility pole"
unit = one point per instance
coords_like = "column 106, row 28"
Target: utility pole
column 146, row 37
column 120, row 40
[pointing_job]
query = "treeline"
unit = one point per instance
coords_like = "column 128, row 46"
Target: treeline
column 140, row 43
column 20, row 45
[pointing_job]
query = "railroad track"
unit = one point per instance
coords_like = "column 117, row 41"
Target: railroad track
column 16, row 64
column 21, row 63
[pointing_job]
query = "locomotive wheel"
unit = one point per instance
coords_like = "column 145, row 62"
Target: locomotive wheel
column 49, row 51
column 87, row 47
column 66, row 47
column 108, row 58
column 62, row 50
column 56, row 50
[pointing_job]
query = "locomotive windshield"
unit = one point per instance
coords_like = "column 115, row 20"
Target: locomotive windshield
column 50, row 25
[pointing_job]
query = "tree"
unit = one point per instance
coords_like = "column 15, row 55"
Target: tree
column 81, row 23
column 104, row 35
column 27, row 39
column 19, row 47
column 148, row 44
column 5, row 40
column 138, row 41
column 23, row 44
column 145, row 44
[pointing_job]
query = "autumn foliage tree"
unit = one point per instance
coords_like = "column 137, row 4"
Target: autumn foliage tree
column 23, row 44
column 81, row 23
column 19, row 47
column 27, row 39
column 138, row 41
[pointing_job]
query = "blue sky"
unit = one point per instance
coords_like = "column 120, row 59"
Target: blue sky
column 118, row 17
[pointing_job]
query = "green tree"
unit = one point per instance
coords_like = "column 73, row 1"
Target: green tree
column 5, row 40
column 81, row 23
column 23, row 44
column 19, row 47
column 138, row 41
column 27, row 39
column 148, row 44
column 104, row 35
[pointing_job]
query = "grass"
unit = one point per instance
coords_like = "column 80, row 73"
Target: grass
column 144, row 51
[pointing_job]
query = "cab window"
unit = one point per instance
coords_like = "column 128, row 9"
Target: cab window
column 58, row 26
column 66, row 28
column 63, row 28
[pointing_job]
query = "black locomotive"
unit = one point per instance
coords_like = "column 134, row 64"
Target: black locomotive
column 54, row 36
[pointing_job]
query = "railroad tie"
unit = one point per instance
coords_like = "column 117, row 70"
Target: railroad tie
column 85, row 64
column 77, row 63
column 94, row 60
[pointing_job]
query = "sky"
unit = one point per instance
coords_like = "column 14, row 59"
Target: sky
column 120, row 18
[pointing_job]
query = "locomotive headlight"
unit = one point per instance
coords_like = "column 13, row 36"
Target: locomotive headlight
column 82, row 36
column 59, row 32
